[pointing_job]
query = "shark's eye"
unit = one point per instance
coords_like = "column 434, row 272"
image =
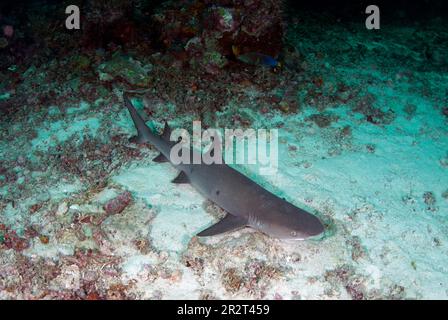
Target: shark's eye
column 293, row 234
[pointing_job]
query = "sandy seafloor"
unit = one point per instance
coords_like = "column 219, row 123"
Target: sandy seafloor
column 381, row 186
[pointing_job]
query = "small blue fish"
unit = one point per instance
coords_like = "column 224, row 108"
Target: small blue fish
column 255, row 58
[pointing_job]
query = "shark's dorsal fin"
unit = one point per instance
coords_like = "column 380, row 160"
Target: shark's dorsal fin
column 160, row 158
column 166, row 132
column 181, row 178
column 228, row 223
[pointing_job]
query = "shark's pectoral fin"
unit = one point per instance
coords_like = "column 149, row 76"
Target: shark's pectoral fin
column 160, row 158
column 181, row 178
column 228, row 223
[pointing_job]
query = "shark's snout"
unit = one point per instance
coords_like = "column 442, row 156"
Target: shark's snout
column 299, row 226
column 312, row 228
column 316, row 227
column 296, row 231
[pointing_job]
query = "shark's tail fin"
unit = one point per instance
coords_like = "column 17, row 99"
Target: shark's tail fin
column 143, row 132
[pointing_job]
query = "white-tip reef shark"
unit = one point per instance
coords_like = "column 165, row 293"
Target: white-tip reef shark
column 247, row 204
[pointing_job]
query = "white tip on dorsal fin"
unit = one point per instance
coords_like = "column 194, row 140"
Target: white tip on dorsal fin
column 181, row 178
column 166, row 132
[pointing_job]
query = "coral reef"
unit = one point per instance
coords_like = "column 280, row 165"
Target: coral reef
column 203, row 33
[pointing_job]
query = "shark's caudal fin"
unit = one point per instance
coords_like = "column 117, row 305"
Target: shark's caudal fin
column 143, row 132
column 228, row 223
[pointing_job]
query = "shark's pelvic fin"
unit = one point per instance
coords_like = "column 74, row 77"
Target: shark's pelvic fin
column 181, row 178
column 228, row 223
column 160, row 158
column 166, row 132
